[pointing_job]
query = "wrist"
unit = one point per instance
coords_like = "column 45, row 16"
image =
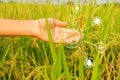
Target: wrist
column 36, row 29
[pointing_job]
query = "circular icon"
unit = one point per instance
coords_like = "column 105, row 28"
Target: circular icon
column 89, row 62
column 101, row 47
column 78, row 7
column 96, row 21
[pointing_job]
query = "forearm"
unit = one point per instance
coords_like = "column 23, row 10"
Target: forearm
column 10, row 27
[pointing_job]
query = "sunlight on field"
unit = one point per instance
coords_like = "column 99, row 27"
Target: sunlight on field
column 32, row 59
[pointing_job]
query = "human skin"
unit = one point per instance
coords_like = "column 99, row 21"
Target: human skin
column 37, row 28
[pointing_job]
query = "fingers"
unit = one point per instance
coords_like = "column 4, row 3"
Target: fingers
column 60, row 23
column 57, row 22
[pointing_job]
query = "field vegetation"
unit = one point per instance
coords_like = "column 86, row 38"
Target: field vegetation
column 32, row 59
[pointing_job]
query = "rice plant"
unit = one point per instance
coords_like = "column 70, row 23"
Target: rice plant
column 95, row 57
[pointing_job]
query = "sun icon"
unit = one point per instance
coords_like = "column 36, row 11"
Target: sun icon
column 96, row 21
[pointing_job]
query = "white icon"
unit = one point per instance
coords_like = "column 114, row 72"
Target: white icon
column 77, row 8
column 96, row 21
column 89, row 62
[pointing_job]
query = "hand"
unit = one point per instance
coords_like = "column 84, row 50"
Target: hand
column 59, row 34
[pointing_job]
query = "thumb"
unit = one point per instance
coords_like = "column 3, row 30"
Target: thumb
column 60, row 23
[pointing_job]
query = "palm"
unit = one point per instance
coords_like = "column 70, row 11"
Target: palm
column 58, row 34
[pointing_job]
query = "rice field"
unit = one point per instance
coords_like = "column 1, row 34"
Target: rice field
column 95, row 57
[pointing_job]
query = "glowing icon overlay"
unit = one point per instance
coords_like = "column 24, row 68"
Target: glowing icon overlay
column 101, row 47
column 89, row 62
column 96, row 21
column 77, row 7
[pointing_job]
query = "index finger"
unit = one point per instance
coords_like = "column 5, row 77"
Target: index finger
column 60, row 23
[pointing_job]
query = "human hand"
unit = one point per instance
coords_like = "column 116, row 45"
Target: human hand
column 59, row 33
